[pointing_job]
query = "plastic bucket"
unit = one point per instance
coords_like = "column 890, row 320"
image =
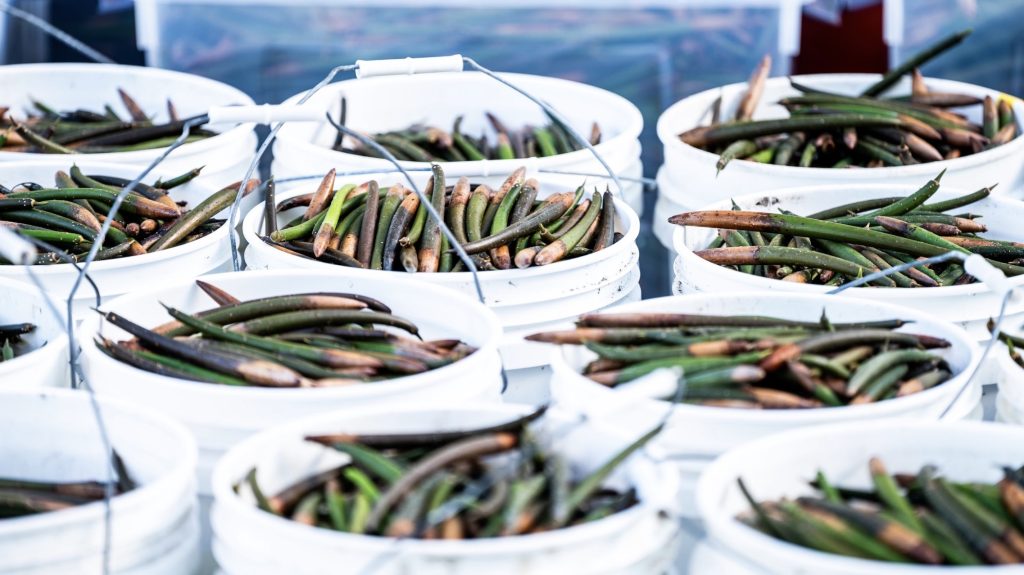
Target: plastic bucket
column 525, row 300
column 253, row 542
column 690, row 173
column 697, row 434
column 1010, row 401
column 221, row 416
column 780, row 465
column 46, row 364
column 707, row 559
column 969, row 306
column 91, row 86
column 391, row 103
column 123, row 275
column 531, row 385
column 154, row 527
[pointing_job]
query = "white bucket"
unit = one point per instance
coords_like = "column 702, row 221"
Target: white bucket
column 969, row 306
column 1010, row 401
column 154, row 529
column 531, row 385
column 45, row 362
column 123, row 275
column 91, row 86
column 220, row 416
column 525, row 300
column 708, row 559
column 393, row 103
column 252, row 542
column 691, row 172
column 697, row 434
column 780, row 465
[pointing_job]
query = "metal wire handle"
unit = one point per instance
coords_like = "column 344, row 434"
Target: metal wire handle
column 948, row 256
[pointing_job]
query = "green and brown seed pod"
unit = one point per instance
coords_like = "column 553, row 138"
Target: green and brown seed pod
column 760, row 362
column 450, row 485
column 857, row 239
column 876, row 128
column 918, row 518
column 45, row 130
column 289, row 341
column 513, row 225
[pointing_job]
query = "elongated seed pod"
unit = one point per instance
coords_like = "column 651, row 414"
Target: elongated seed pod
column 475, row 211
column 367, row 232
column 430, row 243
column 326, row 232
column 399, row 224
column 457, row 209
column 199, row 215
column 755, row 87
column 606, row 228
column 387, row 213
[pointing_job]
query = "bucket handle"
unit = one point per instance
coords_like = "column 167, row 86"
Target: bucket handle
column 974, row 265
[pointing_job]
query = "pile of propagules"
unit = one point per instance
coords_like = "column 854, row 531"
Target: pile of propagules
column 68, row 217
column 49, row 131
column 421, row 143
column 365, row 227
column 476, row 483
column 904, row 518
column 843, row 243
column 756, row 362
column 827, row 130
column 314, row 340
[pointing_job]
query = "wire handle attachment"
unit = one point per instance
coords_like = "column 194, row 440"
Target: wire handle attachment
column 265, row 114
column 408, row 66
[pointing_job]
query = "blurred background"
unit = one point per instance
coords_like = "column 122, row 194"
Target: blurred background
column 652, row 52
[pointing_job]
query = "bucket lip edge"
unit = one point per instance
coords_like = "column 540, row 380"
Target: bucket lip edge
column 181, row 470
column 236, row 132
column 632, row 133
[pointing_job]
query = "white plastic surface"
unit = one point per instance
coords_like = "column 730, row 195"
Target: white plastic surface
column 251, row 542
column 710, row 560
column 122, row 275
column 221, row 416
column 264, row 114
column 1011, row 379
column 15, row 249
column 398, row 66
column 525, row 300
column 690, row 174
column 782, row 464
column 155, row 530
column 91, row 86
column 967, row 305
column 382, row 104
column 46, row 365
column 697, row 434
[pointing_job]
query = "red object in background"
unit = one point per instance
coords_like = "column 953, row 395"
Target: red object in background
column 855, row 45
